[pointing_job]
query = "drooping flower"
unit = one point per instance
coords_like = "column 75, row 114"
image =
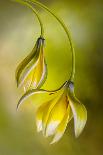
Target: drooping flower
column 31, row 72
column 56, row 110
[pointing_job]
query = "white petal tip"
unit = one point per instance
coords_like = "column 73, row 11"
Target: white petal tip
column 79, row 129
column 51, row 128
column 57, row 137
column 39, row 126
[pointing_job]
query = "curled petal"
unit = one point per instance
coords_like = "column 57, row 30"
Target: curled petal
column 24, row 67
column 32, row 71
column 80, row 115
column 39, row 96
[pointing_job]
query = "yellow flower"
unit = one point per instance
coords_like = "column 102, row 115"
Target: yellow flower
column 56, row 110
column 31, row 72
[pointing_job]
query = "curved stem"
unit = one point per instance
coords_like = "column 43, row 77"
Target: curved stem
column 65, row 29
column 35, row 12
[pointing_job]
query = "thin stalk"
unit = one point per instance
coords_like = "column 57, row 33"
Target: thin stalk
column 35, row 12
column 65, row 29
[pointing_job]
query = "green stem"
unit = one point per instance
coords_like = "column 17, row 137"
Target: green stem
column 39, row 19
column 67, row 32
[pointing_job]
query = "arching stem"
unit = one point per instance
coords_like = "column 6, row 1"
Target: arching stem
column 65, row 29
column 35, row 12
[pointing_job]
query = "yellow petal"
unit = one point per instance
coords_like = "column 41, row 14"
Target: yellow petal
column 56, row 115
column 37, row 97
column 38, row 72
column 62, row 126
column 39, row 115
column 28, row 63
column 80, row 116
column 26, row 74
column 43, row 110
column 40, row 96
column 33, row 77
column 47, row 112
column 27, row 81
column 31, row 73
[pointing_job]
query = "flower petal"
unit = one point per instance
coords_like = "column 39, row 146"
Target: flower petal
column 39, row 115
column 62, row 126
column 44, row 75
column 28, row 63
column 27, row 77
column 39, row 96
column 48, row 110
column 39, row 72
column 56, row 115
column 79, row 113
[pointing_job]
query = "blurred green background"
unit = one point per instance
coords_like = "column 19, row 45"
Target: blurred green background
column 19, row 30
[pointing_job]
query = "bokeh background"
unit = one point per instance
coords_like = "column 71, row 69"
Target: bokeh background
column 19, row 30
